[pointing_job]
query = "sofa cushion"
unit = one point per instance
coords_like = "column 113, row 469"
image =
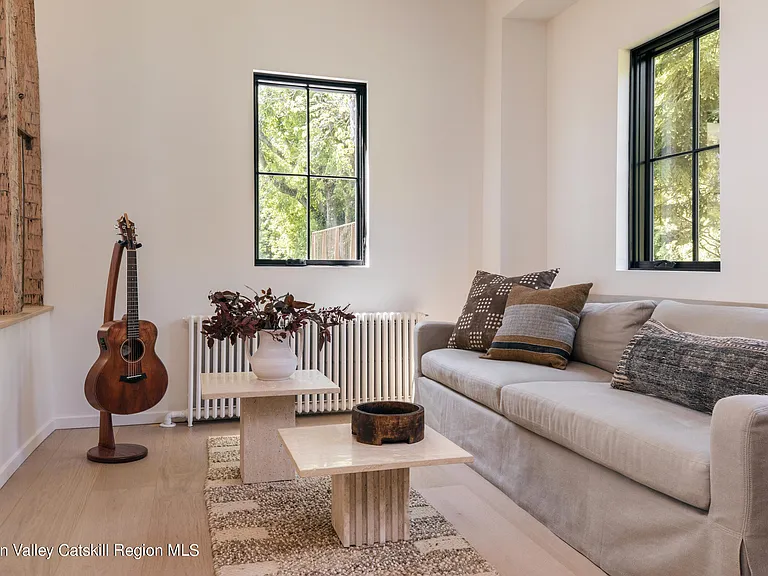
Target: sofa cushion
column 656, row 443
column 713, row 320
column 482, row 380
column 606, row 329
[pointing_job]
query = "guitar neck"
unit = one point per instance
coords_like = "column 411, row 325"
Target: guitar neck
column 132, row 310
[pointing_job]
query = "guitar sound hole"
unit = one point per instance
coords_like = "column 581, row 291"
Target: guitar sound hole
column 132, row 350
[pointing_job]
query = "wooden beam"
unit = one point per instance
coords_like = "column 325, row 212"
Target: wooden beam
column 21, row 235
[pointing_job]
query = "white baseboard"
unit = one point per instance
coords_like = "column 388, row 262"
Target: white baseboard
column 13, row 463
column 92, row 420
column 68, row 422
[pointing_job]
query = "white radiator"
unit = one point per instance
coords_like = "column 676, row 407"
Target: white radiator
column 369, row 358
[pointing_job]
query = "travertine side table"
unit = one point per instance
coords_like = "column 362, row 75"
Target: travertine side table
column 370, row 484
column 265, row 407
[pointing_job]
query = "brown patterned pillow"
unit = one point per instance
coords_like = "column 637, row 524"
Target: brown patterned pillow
column 484, row 310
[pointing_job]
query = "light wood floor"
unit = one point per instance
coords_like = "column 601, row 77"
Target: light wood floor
column 57, row 496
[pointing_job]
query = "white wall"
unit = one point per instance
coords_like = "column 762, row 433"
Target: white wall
column 514, row 219
column 27, row 386
column 524, row 147
column 147, row 108
column 586, row 202
column 493, row 66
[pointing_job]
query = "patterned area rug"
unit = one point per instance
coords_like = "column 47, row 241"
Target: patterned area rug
column 284, row 529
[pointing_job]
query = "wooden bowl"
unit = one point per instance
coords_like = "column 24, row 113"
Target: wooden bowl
column 379, row 422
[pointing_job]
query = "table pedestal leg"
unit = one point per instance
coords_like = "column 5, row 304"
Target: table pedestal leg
column 263, row 457
column 371, row 507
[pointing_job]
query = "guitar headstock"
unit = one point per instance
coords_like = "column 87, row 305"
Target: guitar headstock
column 127, row 232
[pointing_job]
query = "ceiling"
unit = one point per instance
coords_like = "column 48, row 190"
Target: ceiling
column 539, row 9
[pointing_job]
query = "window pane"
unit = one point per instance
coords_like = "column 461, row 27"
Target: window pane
column 282, row 129
column 333, row 219
column 709, row 205
column 333, row 133
column 282, row 217
column 709, row 89
column 672, row 207
column 673, row 101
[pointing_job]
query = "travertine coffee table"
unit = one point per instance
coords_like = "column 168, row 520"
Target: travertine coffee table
column 265, row 406
column 370, row 484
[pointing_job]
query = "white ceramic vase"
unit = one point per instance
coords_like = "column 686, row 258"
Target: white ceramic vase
column 273, row 360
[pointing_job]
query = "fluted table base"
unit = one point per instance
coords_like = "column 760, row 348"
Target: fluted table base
column 371, row 507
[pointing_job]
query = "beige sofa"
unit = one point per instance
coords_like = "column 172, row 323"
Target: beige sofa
column 640, row 486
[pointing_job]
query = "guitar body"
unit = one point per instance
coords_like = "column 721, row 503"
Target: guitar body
column 128, row 377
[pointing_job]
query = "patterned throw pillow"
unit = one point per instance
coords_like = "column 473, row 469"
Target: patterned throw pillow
column 539, row 326
column 484, row 309
column 692, row 370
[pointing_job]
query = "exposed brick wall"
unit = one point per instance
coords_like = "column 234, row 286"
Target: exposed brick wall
column 21, row 271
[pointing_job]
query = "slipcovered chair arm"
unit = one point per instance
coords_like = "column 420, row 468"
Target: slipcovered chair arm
column 430, row 336
column 739, row 474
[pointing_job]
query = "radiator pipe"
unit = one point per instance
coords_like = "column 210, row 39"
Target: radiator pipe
column 168, row 420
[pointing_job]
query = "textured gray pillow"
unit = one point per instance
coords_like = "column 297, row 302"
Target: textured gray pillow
column 690, row 369
column 606, row 329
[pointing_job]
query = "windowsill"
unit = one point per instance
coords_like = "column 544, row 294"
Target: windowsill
column 679, row 267
column 674, row 271
column 27, row 313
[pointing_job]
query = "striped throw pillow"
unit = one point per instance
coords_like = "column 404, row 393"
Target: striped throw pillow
column 539, row 325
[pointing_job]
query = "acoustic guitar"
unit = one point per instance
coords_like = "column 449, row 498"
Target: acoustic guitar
column 128, row 376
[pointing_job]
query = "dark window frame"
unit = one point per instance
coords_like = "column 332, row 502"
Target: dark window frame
column 360, row 89
column 641, row 156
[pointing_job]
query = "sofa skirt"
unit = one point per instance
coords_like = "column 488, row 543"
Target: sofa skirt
column 622, row 526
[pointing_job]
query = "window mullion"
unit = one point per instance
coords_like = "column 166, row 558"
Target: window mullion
column 685, row 152
column 309, row 188
column 648, row 185
column 360, row 102
column 695, row 159
column 256, row 208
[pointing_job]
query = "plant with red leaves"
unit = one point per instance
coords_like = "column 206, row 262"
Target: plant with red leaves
column 238, row 315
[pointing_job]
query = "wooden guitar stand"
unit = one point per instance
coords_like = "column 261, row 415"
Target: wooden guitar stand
column 107, row 452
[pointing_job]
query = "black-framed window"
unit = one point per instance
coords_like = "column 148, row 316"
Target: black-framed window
column 310, row 160
column 675, row 149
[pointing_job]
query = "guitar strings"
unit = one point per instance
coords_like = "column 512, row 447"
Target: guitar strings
column 133, row 318
column 131, row 310
column 132, row 323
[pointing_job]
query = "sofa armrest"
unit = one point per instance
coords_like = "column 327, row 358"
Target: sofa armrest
column 739, row 473
column 430, row 336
